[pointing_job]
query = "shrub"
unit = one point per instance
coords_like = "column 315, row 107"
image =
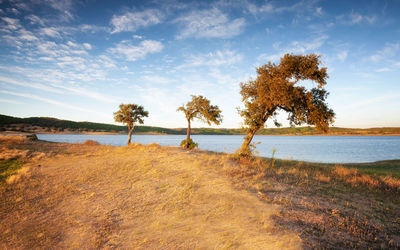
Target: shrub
column 191, row 145
column 90, row 143
column 32, row 137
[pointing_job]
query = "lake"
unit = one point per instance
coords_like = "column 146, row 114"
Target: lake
column 327, row 149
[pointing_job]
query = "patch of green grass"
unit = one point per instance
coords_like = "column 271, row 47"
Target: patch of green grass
column 381, row 168
column 8, row 168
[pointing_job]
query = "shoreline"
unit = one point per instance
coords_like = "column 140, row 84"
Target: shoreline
column 150, row 133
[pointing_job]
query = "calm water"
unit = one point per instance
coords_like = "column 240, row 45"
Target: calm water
column 332, row 149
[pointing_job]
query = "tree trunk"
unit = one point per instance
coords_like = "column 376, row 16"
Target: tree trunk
column 187, row 135
column 244, row 149
column 130, row 134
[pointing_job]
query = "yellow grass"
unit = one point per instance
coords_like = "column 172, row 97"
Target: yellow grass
column 137, row 196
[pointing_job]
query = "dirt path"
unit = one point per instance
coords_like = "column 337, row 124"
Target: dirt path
column 135, row 197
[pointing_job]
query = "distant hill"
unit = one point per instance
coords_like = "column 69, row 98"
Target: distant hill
column 49, row 124
column 54, row 125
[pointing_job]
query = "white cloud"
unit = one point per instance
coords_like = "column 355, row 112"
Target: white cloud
column 47, row 100
column 91, row 28
column 295, row 47
column 12, row 23
column 10, row 101
column 13, row 10
column 310, row 46
column 378, row 99
column 155, row 79
column 390, row 50
column 356, row 18
column 29, row 85
column 133, row 53
column 63, row 6
column 27, row 35
column 51, row 32
column 88, row 93
column 383, row 70
column 87, row 46
column 270, row 8
column 209, row 24
column 132, row 21
column 219, row 58
column 342, row 55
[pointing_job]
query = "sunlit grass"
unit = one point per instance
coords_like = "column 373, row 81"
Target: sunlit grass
column 149, row 196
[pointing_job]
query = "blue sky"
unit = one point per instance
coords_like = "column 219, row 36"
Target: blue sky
column 79, row 60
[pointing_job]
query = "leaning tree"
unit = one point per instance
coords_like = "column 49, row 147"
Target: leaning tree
column 199, row 107
column 276, row 88
column 130, row 114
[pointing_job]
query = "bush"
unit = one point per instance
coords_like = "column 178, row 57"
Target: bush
column 191, row 145
column 90, row 143
column 32, row 137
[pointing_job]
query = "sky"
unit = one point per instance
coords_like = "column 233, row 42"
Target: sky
column 78, row 60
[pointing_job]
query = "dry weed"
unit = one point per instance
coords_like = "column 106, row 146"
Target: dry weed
column 8, row 154
column 343, row 172
column 91, row 143
column 390, row 182
column 22, row 173
column 322, row 178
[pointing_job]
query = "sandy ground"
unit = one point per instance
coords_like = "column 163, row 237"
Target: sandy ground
column 145, row 197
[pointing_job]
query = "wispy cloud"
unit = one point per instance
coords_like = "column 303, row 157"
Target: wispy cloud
column 389, row 51
column 218, row 58
column 342, row 55
column 209, row 24
column 134, row 52
column 375, row 100
column 46, row 100
column 356, row 18
column 11, row 24
column 272, row 8
column 295, row 47
column 10, row 101
column 383, row 70
column 50, row 31
column 25, row 84
column 88, row 93
column 132, row 21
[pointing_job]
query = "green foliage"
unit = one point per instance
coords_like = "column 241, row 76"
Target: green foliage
column 199, row 107
column 275, row 89
column 130, row 114
column 191, row 144
column 71, row 125
column 8, row 168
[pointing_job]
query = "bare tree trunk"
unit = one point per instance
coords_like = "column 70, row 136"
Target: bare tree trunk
column 130, row 134
column 244, row 149
column 187, row 135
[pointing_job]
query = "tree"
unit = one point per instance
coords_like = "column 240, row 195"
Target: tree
column 130, row 114
column 199, row 107
column 275, row 89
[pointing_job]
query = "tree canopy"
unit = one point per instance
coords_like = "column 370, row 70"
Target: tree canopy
column 130, row 114
column 277, row 88
column 199, row 107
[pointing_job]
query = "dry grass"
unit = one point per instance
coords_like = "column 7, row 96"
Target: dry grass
column 329, row 207
column 134, row 197
column 344, row 172
column 158, row 197
column 91, row 143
